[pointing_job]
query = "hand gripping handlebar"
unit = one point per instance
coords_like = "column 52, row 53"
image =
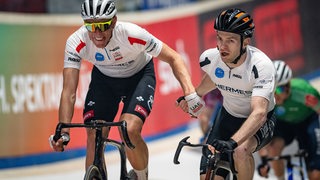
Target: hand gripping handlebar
column 95, row 124
column 215, row 158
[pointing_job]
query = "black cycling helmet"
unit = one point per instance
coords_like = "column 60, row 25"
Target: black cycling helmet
column 235, row 21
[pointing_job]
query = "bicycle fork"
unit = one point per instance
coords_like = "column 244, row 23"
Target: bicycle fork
column 99, row 154
column 123, row 158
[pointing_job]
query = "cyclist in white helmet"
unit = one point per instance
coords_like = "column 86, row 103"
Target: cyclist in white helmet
column 123, row 70
column 297, row 112
column 245, row 77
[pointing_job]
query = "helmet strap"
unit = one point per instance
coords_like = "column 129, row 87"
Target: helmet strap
column 242, row 51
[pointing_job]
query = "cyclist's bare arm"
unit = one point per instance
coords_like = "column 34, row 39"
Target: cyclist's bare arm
column 178, row 66
column 68, row 95
column 205, row 86
column 67, row 101
column 256, row 119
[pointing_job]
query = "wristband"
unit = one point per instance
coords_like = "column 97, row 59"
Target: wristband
column 191, row 96
column 234, row 144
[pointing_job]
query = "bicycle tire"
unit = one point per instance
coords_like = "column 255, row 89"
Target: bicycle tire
column 93, row 173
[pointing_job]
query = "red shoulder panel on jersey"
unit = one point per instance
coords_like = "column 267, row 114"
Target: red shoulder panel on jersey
column 80, row 46
column 136, row 40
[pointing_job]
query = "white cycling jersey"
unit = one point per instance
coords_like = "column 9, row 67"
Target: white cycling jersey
column 254, row 77
column 128, row 51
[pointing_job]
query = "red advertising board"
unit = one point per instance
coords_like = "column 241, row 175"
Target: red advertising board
column 31, row 83
column 278, row 32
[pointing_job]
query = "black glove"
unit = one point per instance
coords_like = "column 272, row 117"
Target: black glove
column 264, row 165
column 221, row 145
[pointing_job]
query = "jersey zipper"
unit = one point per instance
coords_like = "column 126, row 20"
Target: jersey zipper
column 107, row 53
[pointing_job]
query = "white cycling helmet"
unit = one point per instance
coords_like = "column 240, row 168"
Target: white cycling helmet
column 98, row 9
column 283, row 72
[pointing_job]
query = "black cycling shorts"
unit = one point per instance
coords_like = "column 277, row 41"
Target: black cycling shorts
column 225, row 125
column 105, row 93
column 307, row 134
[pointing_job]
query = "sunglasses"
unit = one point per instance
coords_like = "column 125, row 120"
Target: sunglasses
column 103, row 26
column 280, row 89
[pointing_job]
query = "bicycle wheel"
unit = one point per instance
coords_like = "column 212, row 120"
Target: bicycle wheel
column 93, row 173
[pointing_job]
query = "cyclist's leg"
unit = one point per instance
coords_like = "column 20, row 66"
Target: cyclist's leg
column 271, row 142
column 264, row 168
column 313, row 147
column 244, row 153
column 276, row 147
column 137, row 107
column 101, row 103
column 284, row 134
column 214, row 133
column 139, row 156
column 225, row 125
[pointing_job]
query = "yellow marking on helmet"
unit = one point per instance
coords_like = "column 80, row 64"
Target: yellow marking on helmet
column 246, row 19
column 240, row 14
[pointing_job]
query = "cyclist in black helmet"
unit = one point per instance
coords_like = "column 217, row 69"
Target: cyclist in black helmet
column 245, row 77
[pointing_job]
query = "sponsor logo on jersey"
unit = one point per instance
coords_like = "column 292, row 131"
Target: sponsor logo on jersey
column 139, row 98
column 264, row 130
column 265, row 81
column 99, row 57
column 114, row 49
column 141, row 110
column 151, row 46
column 74, row 54
column 150, row 102
column 124, row 64
column 91, row 103
column 219, row 72
column 257, row 87
column 149, row 86
column 73, row 59
column 117, row 56
column 232, row 90
column 237, row 76
column 88, row 115
column 293, row 109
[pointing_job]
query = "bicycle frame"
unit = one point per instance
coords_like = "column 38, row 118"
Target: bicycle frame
column 215, row 161
column 302, row 154
column 100, row 143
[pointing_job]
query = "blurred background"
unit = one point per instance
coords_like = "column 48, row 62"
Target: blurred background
column 33, row 36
